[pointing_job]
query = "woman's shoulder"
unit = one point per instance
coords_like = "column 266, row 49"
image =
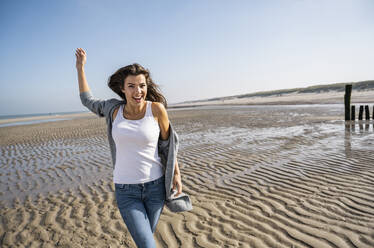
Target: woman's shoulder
column 113, row 104
column 158, row 109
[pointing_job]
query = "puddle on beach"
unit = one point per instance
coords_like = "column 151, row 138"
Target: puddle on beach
column 224, row 142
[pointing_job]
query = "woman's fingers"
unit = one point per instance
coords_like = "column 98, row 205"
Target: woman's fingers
column 177, row 184
column 80, row 51
column 179, row 190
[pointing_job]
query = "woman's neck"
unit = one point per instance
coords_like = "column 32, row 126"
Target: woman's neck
column 135, row 109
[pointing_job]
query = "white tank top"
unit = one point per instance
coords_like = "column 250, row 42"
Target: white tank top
column 137, row 159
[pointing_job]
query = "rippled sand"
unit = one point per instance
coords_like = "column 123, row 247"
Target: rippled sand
column 271, row 176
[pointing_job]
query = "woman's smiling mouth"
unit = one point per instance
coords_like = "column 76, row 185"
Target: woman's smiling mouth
column 137, row 99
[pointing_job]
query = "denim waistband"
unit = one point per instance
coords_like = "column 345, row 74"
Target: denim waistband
column 157, row 181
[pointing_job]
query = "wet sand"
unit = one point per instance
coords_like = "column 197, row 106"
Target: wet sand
column 42, row 118
column 258, row 176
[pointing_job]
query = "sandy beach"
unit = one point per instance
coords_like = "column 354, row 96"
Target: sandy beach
column 331, row 97
column 258, row 176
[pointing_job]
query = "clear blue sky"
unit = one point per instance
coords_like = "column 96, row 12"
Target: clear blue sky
column 194, row 49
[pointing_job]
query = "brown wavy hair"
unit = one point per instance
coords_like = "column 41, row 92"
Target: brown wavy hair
column 117, row 81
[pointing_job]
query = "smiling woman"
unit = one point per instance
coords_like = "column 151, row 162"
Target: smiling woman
column 116, row 82
column 143, row 147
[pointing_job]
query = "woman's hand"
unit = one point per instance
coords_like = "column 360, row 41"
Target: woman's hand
column 80, row 54
column 177, row 183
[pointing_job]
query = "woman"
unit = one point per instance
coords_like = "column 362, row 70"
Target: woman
column 143, row 147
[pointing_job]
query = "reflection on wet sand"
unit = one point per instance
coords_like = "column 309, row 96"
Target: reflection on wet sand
column 349, row 128
column 350, row 132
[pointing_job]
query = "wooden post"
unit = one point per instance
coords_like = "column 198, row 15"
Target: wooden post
column 361, row 111
column 373, row 114
column 353, row 112
column 367, row 113
column 347, row 101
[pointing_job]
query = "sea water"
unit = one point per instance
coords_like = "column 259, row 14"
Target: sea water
column 15, row 120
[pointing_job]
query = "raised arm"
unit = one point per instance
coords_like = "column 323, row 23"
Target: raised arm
column 80, row 54
column 95, row 105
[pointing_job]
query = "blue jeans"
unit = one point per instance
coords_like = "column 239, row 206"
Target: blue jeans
column 140, row 206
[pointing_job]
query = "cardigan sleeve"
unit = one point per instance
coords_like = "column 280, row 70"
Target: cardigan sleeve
column 163, row 150
column 97, row 106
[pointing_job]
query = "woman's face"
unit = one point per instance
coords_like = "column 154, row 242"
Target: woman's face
column 135, row 89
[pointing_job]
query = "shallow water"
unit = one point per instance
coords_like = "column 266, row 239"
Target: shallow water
column 21, row 123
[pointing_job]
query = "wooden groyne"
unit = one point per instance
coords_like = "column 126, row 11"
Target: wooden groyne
column 350, row 111
column 347, row 101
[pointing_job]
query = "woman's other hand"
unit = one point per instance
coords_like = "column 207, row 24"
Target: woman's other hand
column 80, row 54
column 177, row 183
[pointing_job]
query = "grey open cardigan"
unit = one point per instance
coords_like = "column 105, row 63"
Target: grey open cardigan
column 167, row 149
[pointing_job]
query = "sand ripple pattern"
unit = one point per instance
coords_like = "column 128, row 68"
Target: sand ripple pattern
column 51, row 166
column 293, row 177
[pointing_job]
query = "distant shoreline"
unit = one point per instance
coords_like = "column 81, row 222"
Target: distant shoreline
column 4, row 117
column 331, row 97
column 35, row 119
